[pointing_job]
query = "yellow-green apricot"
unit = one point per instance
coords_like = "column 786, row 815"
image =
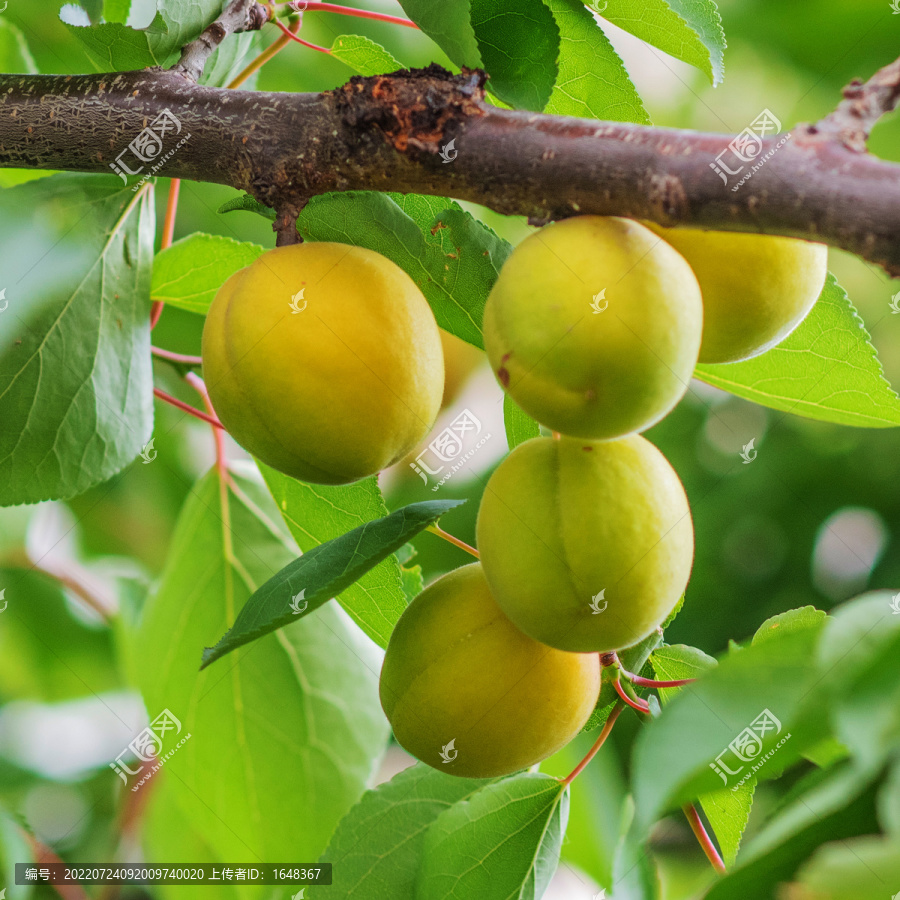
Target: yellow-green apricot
column 593, row 326
column 756, row 288
column 586, row 546
column 324, row 361
column 466, row 692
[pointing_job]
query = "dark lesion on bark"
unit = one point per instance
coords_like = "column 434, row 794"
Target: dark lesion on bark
column 416, row 110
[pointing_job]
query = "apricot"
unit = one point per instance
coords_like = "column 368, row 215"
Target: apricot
column 467, row 693
column 586, row 546
column 756, row 288
column 324, row 361
column 593, row 326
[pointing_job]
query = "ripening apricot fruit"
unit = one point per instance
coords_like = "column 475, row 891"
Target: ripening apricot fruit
column 324, row 361
column 586, row 546
column 756, row 288
column 593, row 326
column 469, row 694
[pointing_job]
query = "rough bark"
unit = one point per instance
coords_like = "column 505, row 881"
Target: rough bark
column 388, row 132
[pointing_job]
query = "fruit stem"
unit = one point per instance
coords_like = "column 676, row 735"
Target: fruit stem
column 167, row 237
column 186, row 407
column 302, row 7
column 636, row 703
column 273, row 50
column 197, row 383
column 604, row 734
column 293, row 37
column 177, row 357
column 703, row 838
column 651, row 683
column 436, row 529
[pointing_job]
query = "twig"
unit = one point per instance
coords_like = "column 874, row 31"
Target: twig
column 863, row 105
column 240, row 15
column 271, row 51
column 436, row 529
column 196, row 382
column 604, row 734
column 703, row 838
column 167, row 237
column 348, row 11
column 177, row 357
column 638, row 704
column 186, row 407
column 290, row 36
column 652, row 683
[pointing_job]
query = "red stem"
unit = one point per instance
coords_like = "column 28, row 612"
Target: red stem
column 639, row 705
column 299, row 40
column 703, row 838
column 177, row 357
column 350, row 11
column 186, row 407
column 604, row 734
column 167, row 236
column 649, row 682
column 197, row 383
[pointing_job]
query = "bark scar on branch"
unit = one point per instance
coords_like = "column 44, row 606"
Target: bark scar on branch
column 240, row 15
column 413, row 108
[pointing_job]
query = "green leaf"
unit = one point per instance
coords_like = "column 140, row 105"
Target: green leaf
column 451, row 256
column 839, row 806
column 76, row 396
column 363, row 55
column 792, row 620
column 291, row 724
column 675, row 753
column 48, row 654
column 318, row 513
column 867, row 868
column 592, row 81
column 519, row 44
column 323, row 572
column 190, row 272
column 727, row 811
column 113, row 47
column 689, row 30
column 520, row 427
column 596, row 807
column 826, row 369
column 14, row 53
column 502, row 842
column 116, row 10
column 377, row 847
column 448, row 24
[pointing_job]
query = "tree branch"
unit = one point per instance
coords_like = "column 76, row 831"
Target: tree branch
column 240, row 15
column 386, row 133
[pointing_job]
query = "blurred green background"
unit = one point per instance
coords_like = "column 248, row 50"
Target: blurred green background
column 813, row 520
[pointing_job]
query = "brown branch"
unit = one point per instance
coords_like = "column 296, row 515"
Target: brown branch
column 863, row 105
column 240, row 15
column 389, row 133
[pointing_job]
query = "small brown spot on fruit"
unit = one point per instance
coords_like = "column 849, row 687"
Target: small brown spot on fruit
column 503, row 375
